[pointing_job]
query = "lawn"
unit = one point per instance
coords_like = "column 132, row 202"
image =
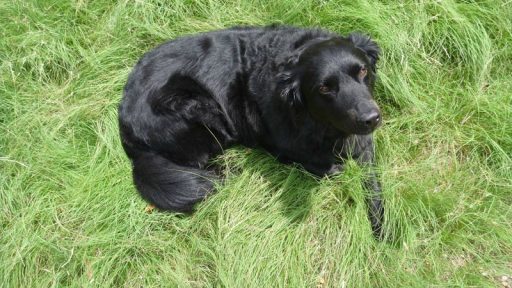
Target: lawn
column 70, row 216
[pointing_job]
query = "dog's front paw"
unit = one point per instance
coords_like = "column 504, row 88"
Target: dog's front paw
column 335, row 169
column 322, row 171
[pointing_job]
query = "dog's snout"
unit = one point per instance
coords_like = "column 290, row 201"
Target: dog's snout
column 371, row 120
column 368, row 116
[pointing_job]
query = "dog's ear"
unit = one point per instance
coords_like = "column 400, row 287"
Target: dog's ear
column 289, row 85
column 290, row 70
column 366, row 44
column 288, row 79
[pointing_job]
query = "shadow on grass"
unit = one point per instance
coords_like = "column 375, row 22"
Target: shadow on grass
column 293, row 185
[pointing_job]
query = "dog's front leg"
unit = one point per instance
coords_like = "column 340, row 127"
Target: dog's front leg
column 362, row 146
column 374, row 201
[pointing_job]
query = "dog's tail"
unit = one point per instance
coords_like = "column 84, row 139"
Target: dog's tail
column 170, row 186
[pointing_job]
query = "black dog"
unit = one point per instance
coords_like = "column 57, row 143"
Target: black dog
column 303, row 95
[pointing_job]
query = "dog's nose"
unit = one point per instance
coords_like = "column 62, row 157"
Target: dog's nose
column 371, row 119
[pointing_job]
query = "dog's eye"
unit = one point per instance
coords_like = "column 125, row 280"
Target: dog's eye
column 324, row 89
column 362, row 72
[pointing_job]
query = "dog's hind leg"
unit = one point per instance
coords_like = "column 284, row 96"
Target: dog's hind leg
column 171, row 143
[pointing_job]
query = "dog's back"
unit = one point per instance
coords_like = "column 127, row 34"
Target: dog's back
column 218, row 78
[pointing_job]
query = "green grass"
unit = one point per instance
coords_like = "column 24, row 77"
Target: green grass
column 70, row 216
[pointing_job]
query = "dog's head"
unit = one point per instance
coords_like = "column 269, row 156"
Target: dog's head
column 333, row 80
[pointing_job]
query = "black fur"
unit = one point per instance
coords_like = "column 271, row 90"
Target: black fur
column 298, row 93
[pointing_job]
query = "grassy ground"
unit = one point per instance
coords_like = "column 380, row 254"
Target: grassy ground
column 69, row 215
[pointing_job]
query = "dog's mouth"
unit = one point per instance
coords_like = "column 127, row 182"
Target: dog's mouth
column 366, row 130
column 353, row 129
